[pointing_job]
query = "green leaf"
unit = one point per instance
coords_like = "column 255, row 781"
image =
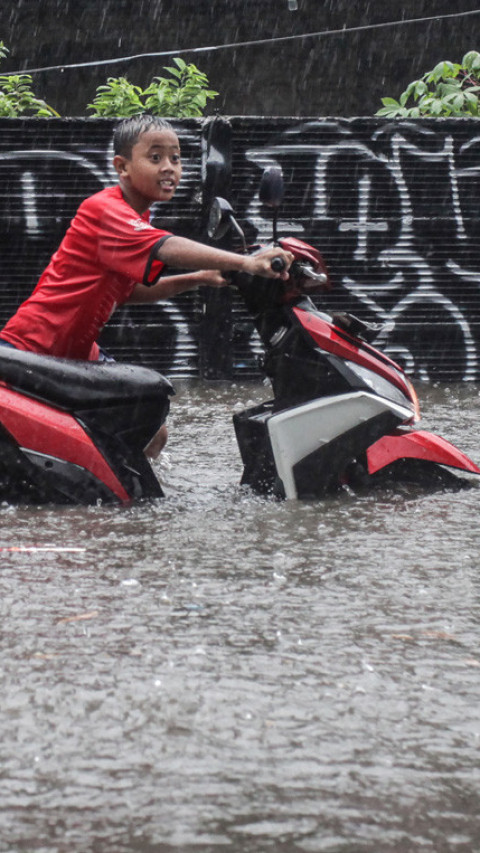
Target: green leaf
column 471, row 61
column 175, row 72
column 450, row 88
column 180, row 62
column 436, row 107
column 421, row 89
column 391, row 111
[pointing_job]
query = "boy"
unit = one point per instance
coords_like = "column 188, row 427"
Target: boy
column 111, row 254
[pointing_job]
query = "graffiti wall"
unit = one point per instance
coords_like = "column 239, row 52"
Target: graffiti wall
column 47, row 167
column 394, row 207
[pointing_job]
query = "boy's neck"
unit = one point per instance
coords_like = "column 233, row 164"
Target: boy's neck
column 138, row 205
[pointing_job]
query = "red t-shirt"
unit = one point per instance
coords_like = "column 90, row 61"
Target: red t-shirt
column 107, row 249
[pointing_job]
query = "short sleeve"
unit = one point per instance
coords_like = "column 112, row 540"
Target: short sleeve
column 127, row 242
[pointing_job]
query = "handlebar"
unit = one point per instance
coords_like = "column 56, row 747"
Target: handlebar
column 308, row 272
column 278, row 264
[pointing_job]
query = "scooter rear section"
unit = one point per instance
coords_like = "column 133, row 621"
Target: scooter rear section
column 74, row 432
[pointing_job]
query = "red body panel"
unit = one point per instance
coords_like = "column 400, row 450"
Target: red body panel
column 417, row 444
column 307, row 253
column 326, row 336
column 37, row 427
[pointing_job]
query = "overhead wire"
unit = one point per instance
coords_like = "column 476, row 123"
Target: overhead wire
column 253, row 43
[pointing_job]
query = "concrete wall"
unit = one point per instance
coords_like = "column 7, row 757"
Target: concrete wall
column 342, row 74
column 393, row 206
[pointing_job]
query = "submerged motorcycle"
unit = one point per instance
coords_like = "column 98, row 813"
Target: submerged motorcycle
column 73, row 432
column 343, row 413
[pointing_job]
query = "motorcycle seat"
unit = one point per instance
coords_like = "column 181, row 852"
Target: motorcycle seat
column 74, row 385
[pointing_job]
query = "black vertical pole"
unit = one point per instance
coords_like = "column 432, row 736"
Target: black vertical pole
column 216, row 343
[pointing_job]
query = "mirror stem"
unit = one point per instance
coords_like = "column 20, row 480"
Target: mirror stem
column 239, row 231
column 274, row 223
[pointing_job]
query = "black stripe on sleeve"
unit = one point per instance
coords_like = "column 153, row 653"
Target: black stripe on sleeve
column 151, row 260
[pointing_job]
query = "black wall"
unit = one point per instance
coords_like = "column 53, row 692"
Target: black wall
column 393, row 206
column 342, row 74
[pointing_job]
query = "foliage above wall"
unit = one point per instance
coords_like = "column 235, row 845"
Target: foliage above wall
column 181, row 94
column 16, row 96
column 450, row 89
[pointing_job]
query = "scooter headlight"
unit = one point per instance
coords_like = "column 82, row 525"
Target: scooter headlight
column 381, row 386
column 416, row 404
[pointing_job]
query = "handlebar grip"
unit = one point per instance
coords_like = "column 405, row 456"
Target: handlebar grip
column 278, row 264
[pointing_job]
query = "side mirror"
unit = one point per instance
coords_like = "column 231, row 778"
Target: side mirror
column 221, row 219
column 271, row 187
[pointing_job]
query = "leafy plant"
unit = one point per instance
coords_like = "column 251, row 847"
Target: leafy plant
column 183, row 96
column 450, row 89
column 185, row 93
column 117, row 97
column 16, row 96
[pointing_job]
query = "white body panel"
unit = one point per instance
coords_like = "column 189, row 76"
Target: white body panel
column 297, row 432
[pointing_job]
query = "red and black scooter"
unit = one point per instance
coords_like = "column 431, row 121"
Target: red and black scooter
column 73, row 432
column 342, row 411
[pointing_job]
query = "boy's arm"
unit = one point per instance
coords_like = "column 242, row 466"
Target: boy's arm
column 188, row 254
column 172, row 285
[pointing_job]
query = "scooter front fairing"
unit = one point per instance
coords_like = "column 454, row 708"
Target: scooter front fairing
column 417, row 444
column 304, row 451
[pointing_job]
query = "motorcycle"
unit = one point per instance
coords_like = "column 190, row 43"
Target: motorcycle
column 73, row 432
column 343, row 413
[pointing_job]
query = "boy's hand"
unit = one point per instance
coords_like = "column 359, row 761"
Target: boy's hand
column 212, row 278
column 260, row 264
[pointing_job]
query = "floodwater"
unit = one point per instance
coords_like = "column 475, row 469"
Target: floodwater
column 221, row 673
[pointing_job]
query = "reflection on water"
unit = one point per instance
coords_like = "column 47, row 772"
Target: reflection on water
column 219, row 672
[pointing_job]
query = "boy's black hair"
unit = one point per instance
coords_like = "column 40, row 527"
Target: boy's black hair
column 128, row 131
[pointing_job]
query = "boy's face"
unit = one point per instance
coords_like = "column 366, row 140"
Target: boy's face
column 153, row 171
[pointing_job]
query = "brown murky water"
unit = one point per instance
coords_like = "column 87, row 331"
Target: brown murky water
column 219, row 673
